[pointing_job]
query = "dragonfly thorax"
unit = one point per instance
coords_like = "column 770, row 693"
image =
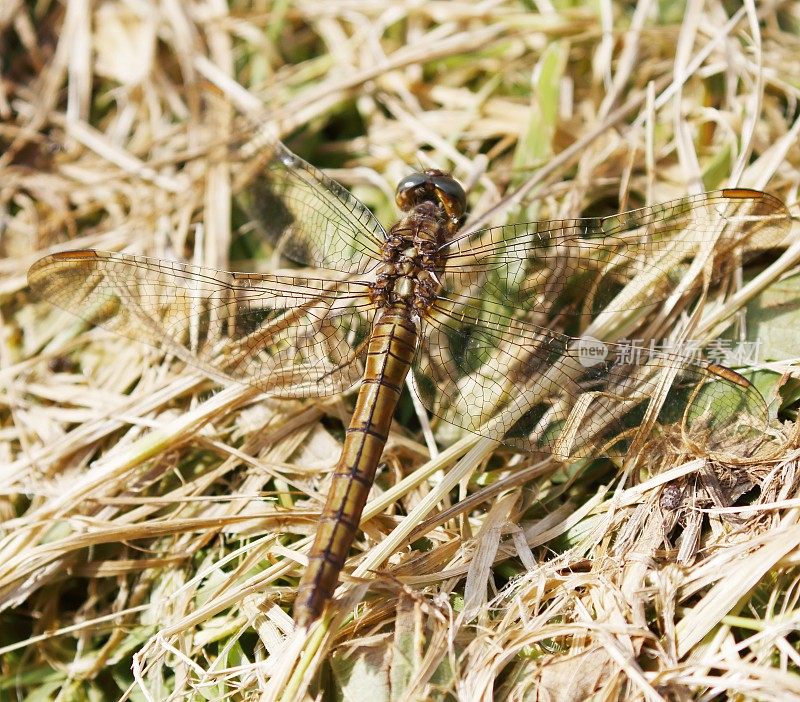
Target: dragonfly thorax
column 413, row 259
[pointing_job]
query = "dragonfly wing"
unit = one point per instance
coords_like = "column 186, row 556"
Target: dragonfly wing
column 291, row 336
column 549, row 393
column 312, row 219
column 625, row 262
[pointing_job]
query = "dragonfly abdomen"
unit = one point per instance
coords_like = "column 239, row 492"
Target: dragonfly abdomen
column 389, row 355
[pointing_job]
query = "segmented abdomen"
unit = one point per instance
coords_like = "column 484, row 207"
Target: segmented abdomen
column 390, row 352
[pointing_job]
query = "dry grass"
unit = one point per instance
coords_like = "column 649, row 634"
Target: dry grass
column 154, row 531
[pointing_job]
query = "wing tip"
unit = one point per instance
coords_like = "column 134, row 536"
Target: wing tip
column 73, row 255
column 38, row 275
column 729, row 374
column 743, row 194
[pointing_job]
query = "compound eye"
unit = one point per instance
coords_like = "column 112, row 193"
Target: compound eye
column 451, row 195
column 408, row 190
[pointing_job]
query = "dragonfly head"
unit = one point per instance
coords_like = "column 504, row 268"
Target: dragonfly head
column 432, row 186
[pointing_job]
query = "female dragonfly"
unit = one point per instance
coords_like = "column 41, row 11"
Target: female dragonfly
column 469, row 314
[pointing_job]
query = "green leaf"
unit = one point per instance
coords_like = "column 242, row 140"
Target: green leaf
column 536, row 144
column 361, row 674
column 773, row 320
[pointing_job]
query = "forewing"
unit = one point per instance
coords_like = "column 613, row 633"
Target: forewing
column 311, row 218
column 549, row 393
column 623, row 263
column 291, row 336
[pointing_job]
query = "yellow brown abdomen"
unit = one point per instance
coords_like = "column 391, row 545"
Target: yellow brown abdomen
column 390, row 352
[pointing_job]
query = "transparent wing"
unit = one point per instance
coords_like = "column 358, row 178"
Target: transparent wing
column 550, row 393
column 582, row 267
column 311, row 218
column 292, row 336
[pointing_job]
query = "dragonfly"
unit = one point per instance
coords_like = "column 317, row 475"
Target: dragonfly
column 491, row 323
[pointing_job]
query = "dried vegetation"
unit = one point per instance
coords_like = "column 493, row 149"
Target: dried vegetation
column 153, row 526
